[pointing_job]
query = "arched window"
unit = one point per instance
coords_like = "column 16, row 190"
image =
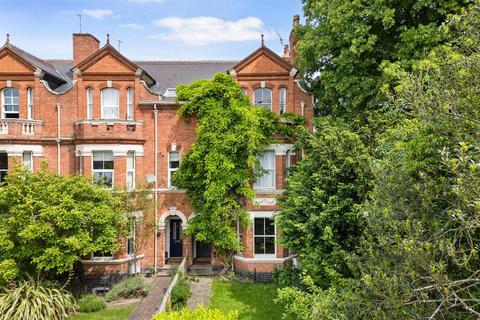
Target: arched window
column 89, row 103
column 110, row 103
column 283, row 100
column 262, row 97
column 29, row 103
column 130, row 104
column 10, row 103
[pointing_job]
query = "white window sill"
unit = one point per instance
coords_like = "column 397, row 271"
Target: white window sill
column 268, row 191
column 264, row 259
column 109, row 121
column 107, row 261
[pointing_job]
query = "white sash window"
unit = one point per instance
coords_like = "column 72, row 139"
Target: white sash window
column 89, row 103
column 130, row 170
column 130, row 104
column 103, row 168
column 262, row 97
column 267, row 179
column 173, row 165
column 29, row 103
column 110, row 103
column 10, row 103
column 283, row 100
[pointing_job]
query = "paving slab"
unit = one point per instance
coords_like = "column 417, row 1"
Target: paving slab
column 149, row 304
column 201, row 292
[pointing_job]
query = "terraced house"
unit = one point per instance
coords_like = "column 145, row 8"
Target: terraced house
column 114, row 119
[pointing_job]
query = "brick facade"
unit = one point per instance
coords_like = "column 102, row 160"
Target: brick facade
column 61, row 133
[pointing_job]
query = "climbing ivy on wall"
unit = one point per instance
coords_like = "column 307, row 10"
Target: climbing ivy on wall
column 217, row 172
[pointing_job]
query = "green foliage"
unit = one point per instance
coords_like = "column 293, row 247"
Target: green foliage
column 419, row 258
column 116, row 313
column 181, row 292
column 200, row 313
column 50, row 221
column 218, row 170
column 286, row 277
column 319, row 218
column 351, row 42
column 130, row 287
column 33, row 299
column 91, row 303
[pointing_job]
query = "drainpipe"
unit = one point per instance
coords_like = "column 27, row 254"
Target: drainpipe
column 59, row 107
column 155, row 195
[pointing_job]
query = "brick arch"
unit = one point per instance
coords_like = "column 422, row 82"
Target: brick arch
column 169, row 213
column 268, row 85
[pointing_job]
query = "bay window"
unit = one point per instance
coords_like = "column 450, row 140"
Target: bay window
column 173, row 165
column 110, row 103
column 129, row 104
column 10, row 103
column 283, row 100
column 89, row 103
column 264, row 236
column 262, row 97
column 267, row 175
column 130, row 170
column 103, row 168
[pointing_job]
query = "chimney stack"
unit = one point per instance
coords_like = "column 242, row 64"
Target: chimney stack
column 84, row 45
column 293, row 41
column 286, row 52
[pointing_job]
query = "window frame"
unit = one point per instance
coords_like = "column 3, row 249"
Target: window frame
column 28, row 165
column 29, row 103
column 112, row 171
column 3, row 171
column 130, row 103
column 265, row 236
column 103, row 256
column 262, row 104
column 131, row 237
column 274, row 172
column 131, row 170
column 89, row 103
column 172, row 170
column 103, row 107
column 4, row 104
column 282, row 103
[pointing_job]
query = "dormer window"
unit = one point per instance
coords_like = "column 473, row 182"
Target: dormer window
column 10, row 103
column 110, row 103
column 262, row 97
column 170, row 93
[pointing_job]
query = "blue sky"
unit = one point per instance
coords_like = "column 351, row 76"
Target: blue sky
column 150, row 29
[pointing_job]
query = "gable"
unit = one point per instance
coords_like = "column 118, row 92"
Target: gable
column 109, row 64
column 12, row 64
column 262, row 64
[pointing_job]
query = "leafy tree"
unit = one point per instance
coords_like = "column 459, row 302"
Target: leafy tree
column 319, row 217
column 345, row 45
column 217, row 172
column 49, row 222
column 420, row 256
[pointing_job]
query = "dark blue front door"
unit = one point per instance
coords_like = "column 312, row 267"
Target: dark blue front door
column 175, row 238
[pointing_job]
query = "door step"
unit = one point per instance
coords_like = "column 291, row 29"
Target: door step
column 202, row 270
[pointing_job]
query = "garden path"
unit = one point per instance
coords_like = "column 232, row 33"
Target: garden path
column 149, row 304
column 201, row 292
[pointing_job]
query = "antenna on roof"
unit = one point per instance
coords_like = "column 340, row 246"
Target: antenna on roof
column 8, row 38
column 280, row 37
column 263, row 40
column 80, row 20
column 119, row 42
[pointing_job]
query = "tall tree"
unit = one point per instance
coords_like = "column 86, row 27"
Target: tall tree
column 345, row 45
column 49, row 222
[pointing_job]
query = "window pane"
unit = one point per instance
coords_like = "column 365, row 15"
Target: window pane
column 259, row 226
column 130, row 160
column 267, row 96
column 259, row 245
column 174, row 160
column 269, row 245
column 269, row 227
column 27, row 159
column 104, row 178
column 3, row 161
column 257, row 97
column 110, row 103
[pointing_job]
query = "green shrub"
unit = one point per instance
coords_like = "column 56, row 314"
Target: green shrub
column 128, row 288
column 200, row 313
column 181, row 293
column 36, row 300
column 287, row 277
column 91, row 303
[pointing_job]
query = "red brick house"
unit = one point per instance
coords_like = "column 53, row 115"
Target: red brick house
column 113, row 119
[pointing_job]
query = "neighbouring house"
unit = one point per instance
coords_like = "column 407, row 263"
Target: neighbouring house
column 114, row 119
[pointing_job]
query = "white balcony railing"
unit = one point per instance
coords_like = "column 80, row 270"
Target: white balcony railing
column 19, row 126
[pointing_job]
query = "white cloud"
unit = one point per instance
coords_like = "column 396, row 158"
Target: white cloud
column 134, row 26
column 98, row 14
column 206, row 30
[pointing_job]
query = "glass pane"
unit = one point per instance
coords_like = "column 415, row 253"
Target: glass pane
column 257, row 97
column 267, row 96
column 3, row 174
column 130, row 160
column 259, row 226
column 269, row 245
column 259, row 245
column 27, row 159
column 269, row 227
column 174, row 158
column 108, row 165
column 3, row 161
column 104, row 178
column 129, row 180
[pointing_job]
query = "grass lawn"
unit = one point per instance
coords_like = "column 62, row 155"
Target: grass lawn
column 252, row 300
column 122, row 313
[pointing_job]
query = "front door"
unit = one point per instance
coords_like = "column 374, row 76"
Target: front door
column 175, row 238
column 203, row 249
